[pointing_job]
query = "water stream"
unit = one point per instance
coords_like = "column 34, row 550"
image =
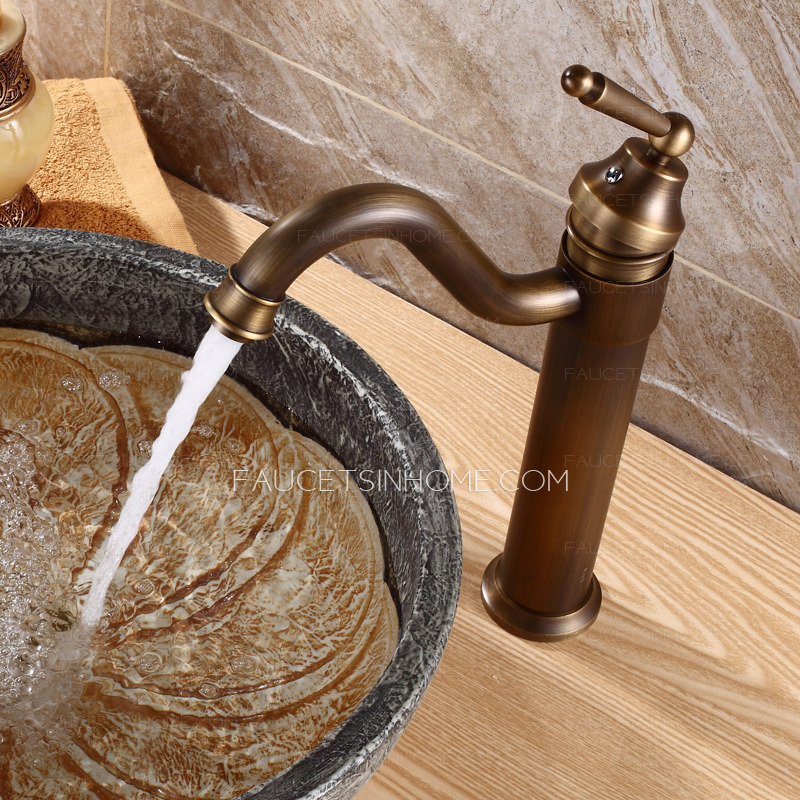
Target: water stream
column 213, row 357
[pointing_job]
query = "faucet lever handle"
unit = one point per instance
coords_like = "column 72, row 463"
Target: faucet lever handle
column 671, row 134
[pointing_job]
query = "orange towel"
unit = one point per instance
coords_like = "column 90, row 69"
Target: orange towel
column 100, row 174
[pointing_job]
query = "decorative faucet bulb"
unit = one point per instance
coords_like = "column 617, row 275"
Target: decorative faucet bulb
column 603, row 298
column 26, row 123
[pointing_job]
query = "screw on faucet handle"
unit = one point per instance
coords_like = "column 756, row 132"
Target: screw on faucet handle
column 671, row 134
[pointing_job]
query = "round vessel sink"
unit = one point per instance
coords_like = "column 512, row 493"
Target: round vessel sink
column 327, row 386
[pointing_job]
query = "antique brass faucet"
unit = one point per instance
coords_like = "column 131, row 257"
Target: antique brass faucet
column 604, row 298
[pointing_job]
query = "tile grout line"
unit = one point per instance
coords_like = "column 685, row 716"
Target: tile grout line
column 733, row 287
column 440, row 137
column 369, row 101
column 106, row 51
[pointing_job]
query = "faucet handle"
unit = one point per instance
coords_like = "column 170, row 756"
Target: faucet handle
column 671, row 134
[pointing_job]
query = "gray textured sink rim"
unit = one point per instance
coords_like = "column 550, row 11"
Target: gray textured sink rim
column 340, row 393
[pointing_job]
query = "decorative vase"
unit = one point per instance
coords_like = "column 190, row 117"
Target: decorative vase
column 26, row 124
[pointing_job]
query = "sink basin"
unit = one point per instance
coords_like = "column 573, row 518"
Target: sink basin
column 328, row 386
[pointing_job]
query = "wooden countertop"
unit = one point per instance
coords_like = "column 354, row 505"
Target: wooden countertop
column 688, row 684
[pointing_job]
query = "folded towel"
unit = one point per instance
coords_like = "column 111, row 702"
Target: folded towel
column 100, row 174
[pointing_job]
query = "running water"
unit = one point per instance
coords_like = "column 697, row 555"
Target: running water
column 213, row 357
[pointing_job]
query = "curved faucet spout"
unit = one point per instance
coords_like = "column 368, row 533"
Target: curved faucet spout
column 244, row 305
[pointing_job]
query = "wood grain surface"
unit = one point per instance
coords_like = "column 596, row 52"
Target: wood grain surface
column 688, row 684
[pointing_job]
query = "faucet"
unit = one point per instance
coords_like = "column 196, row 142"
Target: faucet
column 603, row 297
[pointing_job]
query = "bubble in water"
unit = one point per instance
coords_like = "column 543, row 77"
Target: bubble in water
column 233, row 445
column 144, row 586
column 27, row 426
column 148, row 663
column 42, row 716
column 208, row 690
column 113, row 378
column 62, row 434
column 144, row 447
column 72, row 383
column 243, row 665
column 40, row 651
column 203, row 430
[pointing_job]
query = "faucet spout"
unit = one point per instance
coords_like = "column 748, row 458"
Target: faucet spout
column 243, row 306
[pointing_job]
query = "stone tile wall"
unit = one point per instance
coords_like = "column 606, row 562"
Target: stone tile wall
column 269, row 103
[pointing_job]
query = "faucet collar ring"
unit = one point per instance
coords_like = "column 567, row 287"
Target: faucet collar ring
column 250, row 295
column 231, row 301
column 620, row 269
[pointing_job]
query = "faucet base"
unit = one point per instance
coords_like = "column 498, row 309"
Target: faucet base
column 528, row 624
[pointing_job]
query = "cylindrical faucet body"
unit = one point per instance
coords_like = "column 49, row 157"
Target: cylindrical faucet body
column 542, row 586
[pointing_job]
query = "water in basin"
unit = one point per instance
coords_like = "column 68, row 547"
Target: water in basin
column 247, row 620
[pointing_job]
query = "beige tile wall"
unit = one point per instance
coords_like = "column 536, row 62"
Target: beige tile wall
column 267, row 103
